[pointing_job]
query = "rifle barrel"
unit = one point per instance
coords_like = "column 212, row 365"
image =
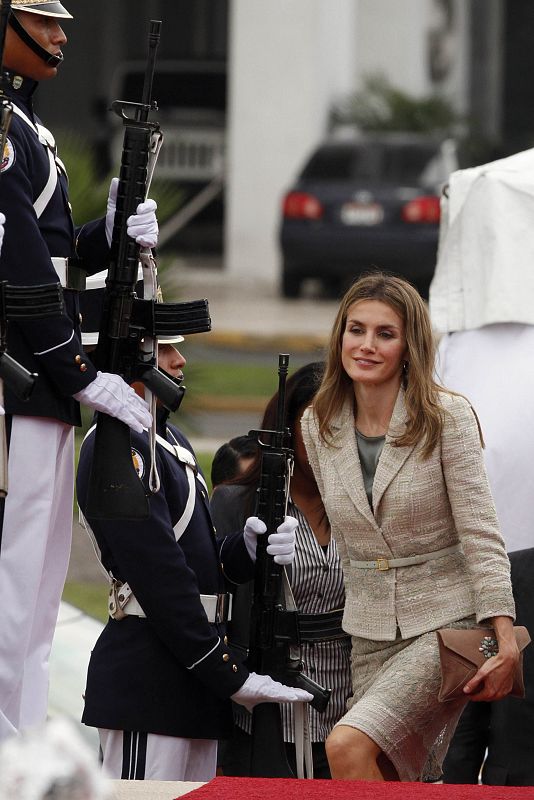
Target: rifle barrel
column 283, row 364
column 154, row 35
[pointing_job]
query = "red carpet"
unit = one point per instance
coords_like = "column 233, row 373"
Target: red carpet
column 288, row 789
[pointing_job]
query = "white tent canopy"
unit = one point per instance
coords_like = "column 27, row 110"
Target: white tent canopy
column 482, row 299
column 485, row 269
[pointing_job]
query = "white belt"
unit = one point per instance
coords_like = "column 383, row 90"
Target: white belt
column 383, row 564
column 218, row 607
column 70, row 277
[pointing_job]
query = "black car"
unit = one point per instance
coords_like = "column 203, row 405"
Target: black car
column 362, row 202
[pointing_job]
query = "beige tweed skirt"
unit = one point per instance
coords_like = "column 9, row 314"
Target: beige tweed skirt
column 395, row 702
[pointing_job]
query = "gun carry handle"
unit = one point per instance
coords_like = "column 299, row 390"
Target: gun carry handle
column 115, row 489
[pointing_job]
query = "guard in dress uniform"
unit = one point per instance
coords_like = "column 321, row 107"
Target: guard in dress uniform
column 161, row 675
column 42, row 247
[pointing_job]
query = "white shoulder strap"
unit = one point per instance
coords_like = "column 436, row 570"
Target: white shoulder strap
column 45, row 137
column 50, row 186
column 25, row 117
column 185, row 457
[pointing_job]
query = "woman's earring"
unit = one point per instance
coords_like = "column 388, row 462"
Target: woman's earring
column 405, row 368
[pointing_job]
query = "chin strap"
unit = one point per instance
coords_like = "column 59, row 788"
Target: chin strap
column 49, row 58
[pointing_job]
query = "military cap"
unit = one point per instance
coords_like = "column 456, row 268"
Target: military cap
column 44, row 7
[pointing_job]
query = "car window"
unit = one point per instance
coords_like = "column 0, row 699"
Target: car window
column 329, row 165
column 405, row 164
column 342, row 163
column 389, row 163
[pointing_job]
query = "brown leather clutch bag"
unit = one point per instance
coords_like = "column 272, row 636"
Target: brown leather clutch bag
column 462, row 653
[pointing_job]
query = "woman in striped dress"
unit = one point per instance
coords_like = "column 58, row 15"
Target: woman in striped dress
column 316, row 580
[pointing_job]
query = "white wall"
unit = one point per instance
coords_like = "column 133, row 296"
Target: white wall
column 394, row 39
column 287, row 59
column 391, row 40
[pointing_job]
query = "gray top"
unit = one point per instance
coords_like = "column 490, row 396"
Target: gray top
column 369, row 449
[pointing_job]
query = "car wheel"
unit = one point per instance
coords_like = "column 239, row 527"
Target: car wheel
column 290, row 285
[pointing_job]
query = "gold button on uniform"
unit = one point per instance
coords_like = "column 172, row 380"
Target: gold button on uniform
column 83, row 367
column 77, row 359
column 234, row 667
column 226, row 657
column 225, row 640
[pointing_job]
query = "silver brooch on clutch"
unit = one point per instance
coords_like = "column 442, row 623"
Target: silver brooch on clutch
column 489, row 647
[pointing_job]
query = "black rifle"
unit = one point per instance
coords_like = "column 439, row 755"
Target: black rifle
column 115, row 490
column 274, row 633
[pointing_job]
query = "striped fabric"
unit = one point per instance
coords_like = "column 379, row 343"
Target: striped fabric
column 317, row 584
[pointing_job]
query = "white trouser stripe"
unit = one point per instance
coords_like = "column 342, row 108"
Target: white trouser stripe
column 167, row 758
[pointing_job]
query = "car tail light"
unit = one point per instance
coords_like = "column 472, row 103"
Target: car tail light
column 422, row 209
column 301, row 205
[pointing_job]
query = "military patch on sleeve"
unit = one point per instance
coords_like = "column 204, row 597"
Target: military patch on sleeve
column 8, row 156
column 138, row 461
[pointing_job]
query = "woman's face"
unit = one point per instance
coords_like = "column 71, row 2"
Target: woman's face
column 373, row 346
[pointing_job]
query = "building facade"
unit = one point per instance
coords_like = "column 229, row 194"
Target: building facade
column 286, row 62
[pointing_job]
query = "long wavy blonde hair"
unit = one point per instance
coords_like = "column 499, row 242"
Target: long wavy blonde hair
column 425, row 413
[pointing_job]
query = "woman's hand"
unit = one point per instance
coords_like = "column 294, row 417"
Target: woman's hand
column 494, row 679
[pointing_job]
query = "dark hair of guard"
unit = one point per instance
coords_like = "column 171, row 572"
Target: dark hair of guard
column 225, row 464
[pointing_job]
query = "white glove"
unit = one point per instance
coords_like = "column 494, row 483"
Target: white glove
column 2, row 221
column 262, row 689
column 141, row 226
column 110, row 394
column 281, row 544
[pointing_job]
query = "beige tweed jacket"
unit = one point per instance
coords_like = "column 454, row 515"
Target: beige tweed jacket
column 420, row 506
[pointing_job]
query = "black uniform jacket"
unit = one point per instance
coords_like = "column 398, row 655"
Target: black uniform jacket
column 47, row 346
column 170, row 673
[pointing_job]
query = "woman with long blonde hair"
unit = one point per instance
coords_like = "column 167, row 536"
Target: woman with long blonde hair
column 398, row 461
